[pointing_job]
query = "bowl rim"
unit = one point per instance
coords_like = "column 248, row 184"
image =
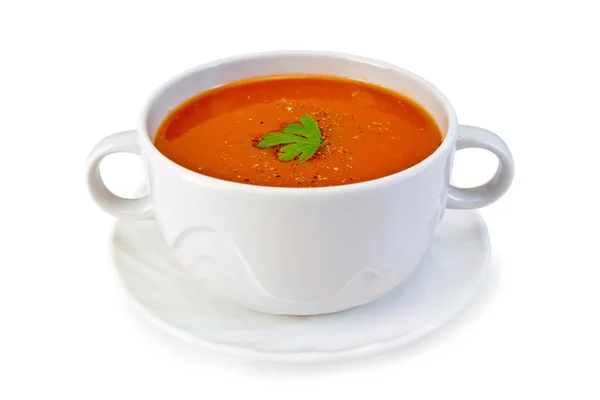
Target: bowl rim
column 152, row 152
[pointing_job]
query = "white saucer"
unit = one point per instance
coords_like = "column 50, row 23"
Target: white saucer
column 450, row 276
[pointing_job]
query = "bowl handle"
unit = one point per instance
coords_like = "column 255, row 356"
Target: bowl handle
column 132, row 209
column 481, row 196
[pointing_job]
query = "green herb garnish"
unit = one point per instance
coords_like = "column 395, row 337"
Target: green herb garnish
column 301, row 140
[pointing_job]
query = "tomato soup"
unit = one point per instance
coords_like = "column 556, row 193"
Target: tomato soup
column 368, row 132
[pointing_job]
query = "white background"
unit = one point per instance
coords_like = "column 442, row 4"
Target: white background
column 74, row 72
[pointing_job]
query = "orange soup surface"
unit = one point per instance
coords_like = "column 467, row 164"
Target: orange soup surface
column 369, row 131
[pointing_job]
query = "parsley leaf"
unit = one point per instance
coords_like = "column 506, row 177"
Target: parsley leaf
column 300, row 140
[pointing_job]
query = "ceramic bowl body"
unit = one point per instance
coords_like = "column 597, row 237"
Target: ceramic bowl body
column 299, row 250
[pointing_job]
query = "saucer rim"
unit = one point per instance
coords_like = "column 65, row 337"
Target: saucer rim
column 313, row 357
